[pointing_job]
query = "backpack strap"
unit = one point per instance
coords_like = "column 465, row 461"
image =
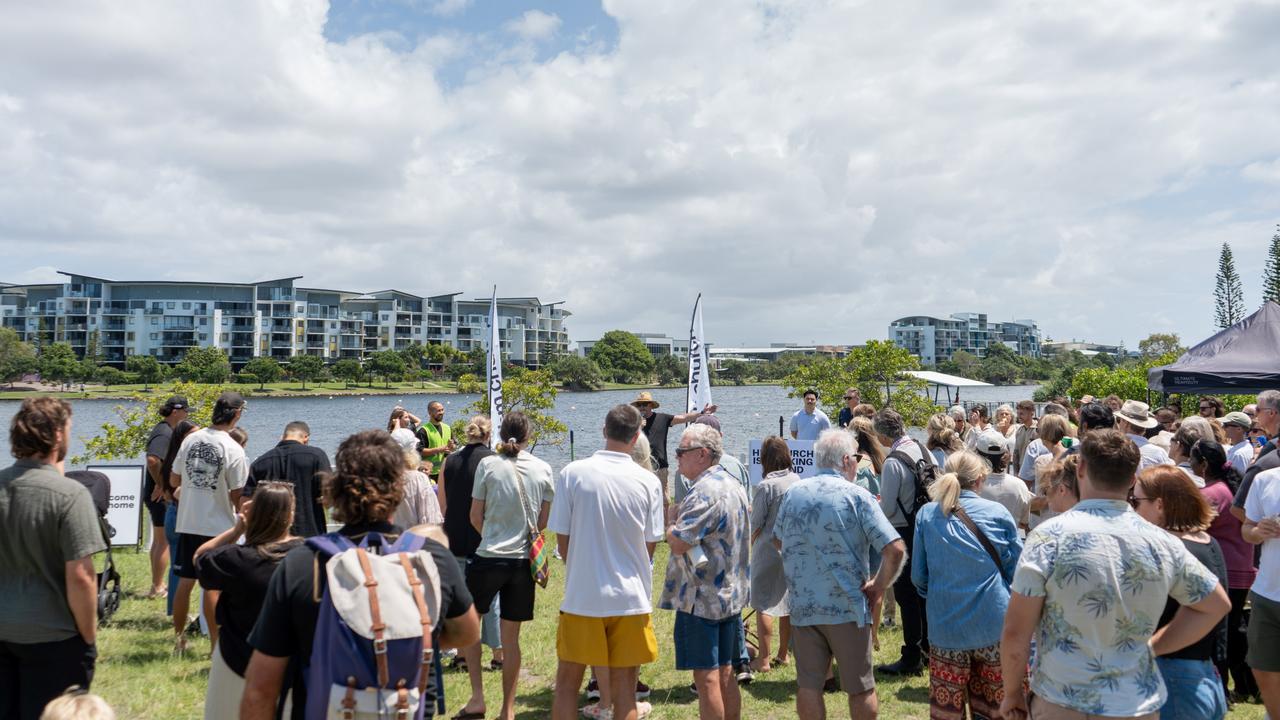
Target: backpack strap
column 375, row 612
column 906, row 460
column 330, row 544
column 408, row 542
column 415, row 583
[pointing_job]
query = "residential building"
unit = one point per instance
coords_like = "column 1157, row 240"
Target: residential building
column 935, row 340
column 272, row 318
column 657, row 344
column 1051, row 348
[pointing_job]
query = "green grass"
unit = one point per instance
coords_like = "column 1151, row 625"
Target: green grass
column 138, row 676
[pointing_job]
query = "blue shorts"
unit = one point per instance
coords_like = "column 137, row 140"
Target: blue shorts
column 707, row 644
column 1195, row 690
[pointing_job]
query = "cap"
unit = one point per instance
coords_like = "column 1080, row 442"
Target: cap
column 227, row 402
column 991, row 442
column 177, row 402
column 1237, row 418
column 710, row 420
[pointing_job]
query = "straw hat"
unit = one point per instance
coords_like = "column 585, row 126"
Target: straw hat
column 645, row 398
column 1137, row 414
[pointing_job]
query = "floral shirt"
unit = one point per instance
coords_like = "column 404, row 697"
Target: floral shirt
column 828, row 527
column 1104, row 574
column 712, row 515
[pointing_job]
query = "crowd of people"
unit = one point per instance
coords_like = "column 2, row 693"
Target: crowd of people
column 1093, row 559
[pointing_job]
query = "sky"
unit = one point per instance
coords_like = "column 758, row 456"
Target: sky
column 814, row 168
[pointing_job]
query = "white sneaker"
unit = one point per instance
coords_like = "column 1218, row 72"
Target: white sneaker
column 595, row 712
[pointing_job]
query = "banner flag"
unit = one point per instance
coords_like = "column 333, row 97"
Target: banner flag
column 495, row 370
column 699, row 391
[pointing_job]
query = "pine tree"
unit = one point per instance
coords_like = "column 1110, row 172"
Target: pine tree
column 1271, row 274
column 1228, row 296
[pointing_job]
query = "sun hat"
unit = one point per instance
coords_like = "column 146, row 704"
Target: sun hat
column 1137, row 414
column 645, row 398
column 1237, row 418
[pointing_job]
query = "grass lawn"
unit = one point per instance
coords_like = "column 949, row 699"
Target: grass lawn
column 137, row 675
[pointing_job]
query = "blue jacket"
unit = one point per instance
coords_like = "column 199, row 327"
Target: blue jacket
column 966, row 595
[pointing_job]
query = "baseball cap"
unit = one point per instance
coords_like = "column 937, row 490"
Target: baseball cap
column 710, row 420
column 177, row 402
column 1237, row 418
column 228, row 402
column 991, row 442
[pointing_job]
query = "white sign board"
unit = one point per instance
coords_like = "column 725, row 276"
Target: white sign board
column 124, row 514
column 801, row 459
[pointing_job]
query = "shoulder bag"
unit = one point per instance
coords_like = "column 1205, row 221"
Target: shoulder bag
column 539, row 564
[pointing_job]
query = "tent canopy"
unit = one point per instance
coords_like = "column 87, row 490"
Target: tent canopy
column 1243, row 359
column 937, row 378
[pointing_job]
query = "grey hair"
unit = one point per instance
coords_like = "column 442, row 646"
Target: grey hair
column 642, row 453
column 705, row 436
column 832, row 447
column 1270, row 399
column 1056, row 409
column 1197, row 428
column 957, row 412
column 889, row 423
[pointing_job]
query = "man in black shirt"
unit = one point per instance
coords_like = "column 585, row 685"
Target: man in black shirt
column 154, row 490
column 656, row 425
column 852, row 397
column 293, row 461
column 362, row 493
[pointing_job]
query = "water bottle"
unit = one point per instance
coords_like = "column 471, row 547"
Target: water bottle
column 697, row 557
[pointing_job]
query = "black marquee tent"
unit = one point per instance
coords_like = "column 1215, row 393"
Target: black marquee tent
column 1243, row 359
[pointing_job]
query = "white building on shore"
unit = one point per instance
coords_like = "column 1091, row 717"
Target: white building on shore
column 271, row 318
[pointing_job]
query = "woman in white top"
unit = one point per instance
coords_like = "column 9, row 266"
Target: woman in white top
column 510, row 502
column 420, row 505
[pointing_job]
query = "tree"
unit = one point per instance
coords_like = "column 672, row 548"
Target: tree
column 348, row 371
column 670, row 370
column 387, row 363
column 204, row 365
column 1158, row 344
column 962, row 363
column 1228, row 295
column 306, row 367
column 577, row 373
column 1271, row 273
column 17, row 358
column 58, row 363
column 622, row 357
column 264, row 370
column 147, row 368
column 412, row 355
column 530, row 392
column 1001, row 366
column 126, row 438
column 874, row 369
column 441, row 355
column 109, row 376
column 737, row 371
column 93, row 349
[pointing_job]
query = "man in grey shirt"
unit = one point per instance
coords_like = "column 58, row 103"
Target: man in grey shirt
column 897, row 500
column 49, row 532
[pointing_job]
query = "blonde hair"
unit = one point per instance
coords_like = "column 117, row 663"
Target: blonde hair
column 642, row 453
column 478, row 427
column 77, row 705
column 411, row 459
column 941, row 430
column 1053, row 428
column 964, row 470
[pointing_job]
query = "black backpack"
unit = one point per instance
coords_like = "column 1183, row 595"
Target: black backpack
column 924, row 473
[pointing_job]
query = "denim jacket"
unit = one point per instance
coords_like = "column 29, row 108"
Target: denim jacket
column 966, row 595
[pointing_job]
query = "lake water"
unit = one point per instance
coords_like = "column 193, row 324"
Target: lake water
column 746, row 413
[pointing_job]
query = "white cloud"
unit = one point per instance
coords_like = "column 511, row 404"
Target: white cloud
column 449, row 8
column 1267, row 172
column 534, row 25
column 816, row 170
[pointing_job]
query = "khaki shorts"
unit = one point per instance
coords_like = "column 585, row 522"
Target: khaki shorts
column 622, row 641
column 1042, row 709
column 848, row 643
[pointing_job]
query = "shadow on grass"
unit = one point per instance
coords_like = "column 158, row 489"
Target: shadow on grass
column 540, row 700
column 145, row 623
column 781, row 690
column 913, row 693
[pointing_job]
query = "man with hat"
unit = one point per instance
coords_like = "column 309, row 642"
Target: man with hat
column 656, row 425
column 1236, row 425
column 173, row 411
column 1133, row 419
column 209, row 470
column 999, row 486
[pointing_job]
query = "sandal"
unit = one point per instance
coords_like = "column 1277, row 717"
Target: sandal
column 495, row 664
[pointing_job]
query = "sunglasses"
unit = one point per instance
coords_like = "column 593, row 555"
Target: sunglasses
column 848, row 397
column 1135, row 501
column 680, row 452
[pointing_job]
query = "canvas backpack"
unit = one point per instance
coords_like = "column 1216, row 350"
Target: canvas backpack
column 373, row 654
column 923, row 473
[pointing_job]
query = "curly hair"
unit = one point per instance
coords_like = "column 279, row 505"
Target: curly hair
column 33, row 432
column 366, row 483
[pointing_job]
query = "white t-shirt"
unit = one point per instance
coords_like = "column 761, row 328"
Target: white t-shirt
column 1013, row 494
column 609, row 507
column 211, row 465
column 1263, row 502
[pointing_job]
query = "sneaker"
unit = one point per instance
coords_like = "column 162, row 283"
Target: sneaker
column 593, row 690
column 745, row 676
column 887, row 622
column 693, row 688
column 642, row 690
column 595, row 712
column 643, row 709
column 831, row 685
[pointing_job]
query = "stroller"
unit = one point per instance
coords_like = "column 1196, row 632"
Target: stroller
column 99, row 486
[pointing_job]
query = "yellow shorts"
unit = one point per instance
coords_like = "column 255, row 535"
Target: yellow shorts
column 620, row 641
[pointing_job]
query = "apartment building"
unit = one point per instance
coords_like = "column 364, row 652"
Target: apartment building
column 935, row 340
column 656, row 343
column 273, row 318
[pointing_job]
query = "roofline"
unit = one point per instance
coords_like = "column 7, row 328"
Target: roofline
column 173, row 282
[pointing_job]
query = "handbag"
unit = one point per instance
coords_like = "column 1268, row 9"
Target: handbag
column 982, row 538
column 539, row 563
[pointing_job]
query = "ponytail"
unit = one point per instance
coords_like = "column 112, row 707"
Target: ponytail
column 946, row 492
column 964, row 470
column 514, row 432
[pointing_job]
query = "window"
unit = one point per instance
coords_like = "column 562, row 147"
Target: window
column 204, row 336
column 155, row 321
column 155, row 336
column 170, row 305
column 185, row 306
column 204, row 321
column 226, row 337
column 128, row 336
